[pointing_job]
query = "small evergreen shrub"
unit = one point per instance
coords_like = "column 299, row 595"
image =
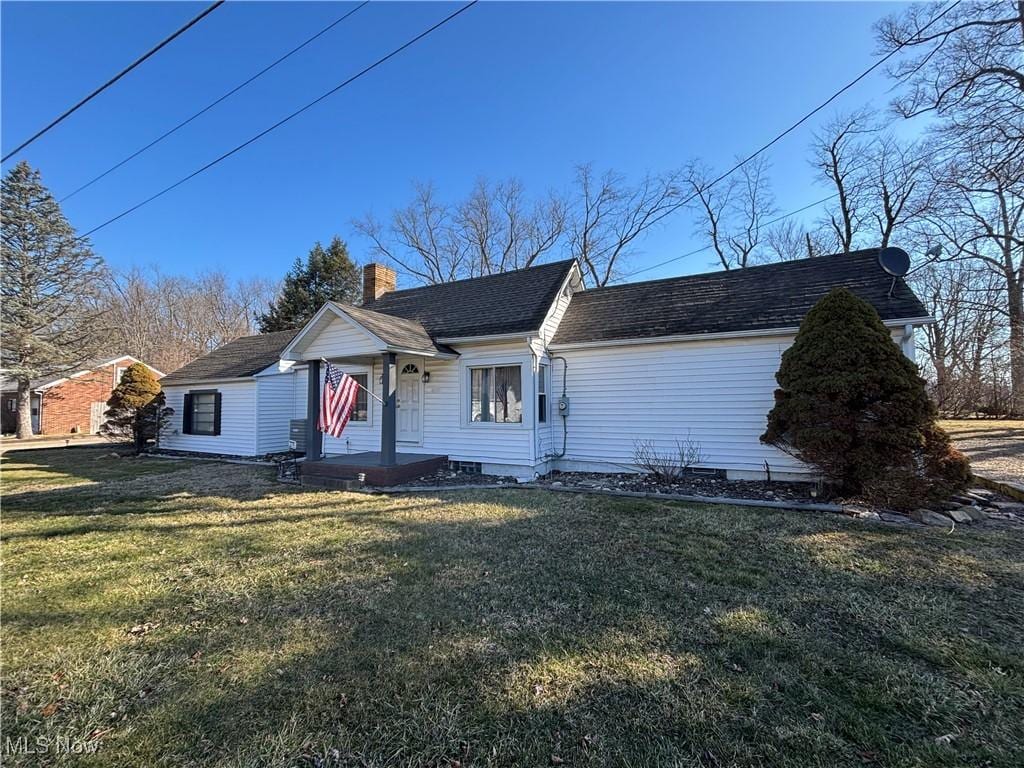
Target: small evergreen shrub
column 136, row 408
column 852, row 405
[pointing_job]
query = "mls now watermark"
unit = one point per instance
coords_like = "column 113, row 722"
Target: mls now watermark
column 47, row 745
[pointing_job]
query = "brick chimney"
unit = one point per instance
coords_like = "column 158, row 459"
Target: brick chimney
column 377, row 280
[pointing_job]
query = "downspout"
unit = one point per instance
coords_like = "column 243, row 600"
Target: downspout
column 565, row 425
column 907, row 342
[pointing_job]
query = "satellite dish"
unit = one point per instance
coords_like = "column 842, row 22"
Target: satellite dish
column 895, row 261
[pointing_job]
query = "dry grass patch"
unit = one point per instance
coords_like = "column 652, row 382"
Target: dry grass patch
column 168, row 614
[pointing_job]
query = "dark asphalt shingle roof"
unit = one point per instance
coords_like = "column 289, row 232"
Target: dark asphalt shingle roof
column 512, row 302
column 756, row 298
column 395, row 331
column 234, row 360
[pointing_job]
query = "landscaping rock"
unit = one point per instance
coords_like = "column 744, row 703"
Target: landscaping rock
column 977, row 514
column 960, row 515
column 1008, row 506
column 945, row 506
column 896, row 518
column 928, row 517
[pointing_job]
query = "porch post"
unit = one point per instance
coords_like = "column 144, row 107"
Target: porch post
column 387, row 425
column 314, row 437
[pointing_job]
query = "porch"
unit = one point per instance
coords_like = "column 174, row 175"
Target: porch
column 340, row 471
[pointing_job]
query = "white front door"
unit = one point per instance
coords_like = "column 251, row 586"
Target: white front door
column 409, row 399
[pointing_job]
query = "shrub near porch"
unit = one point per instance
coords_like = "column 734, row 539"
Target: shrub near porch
column 187, row 613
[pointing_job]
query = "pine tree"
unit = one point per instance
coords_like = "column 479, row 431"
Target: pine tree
column 51, row 281
column 326, row 275
column 851, row 404
column 136, row 409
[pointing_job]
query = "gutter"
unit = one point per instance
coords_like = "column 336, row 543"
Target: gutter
column 479, row 339
column 764, row 332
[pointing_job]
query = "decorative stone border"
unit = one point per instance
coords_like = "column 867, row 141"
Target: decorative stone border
column 796, row 505
column 1013, row 490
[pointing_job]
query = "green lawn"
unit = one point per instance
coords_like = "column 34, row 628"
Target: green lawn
column 183, row 613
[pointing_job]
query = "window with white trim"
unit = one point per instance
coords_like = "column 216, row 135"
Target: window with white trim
column 496, row 394
column 542, row 393
column 361, row 410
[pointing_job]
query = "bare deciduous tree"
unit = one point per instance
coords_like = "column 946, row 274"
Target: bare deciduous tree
column 503, row 231
column 970, row 58
column 169, row 320
column 420, row 239
column 835, row 151
column 607, row 215
column 498, row 229
column 495, row 229
column 732, row 213
column 965, row 343
column 968, row 68
column 787, row 240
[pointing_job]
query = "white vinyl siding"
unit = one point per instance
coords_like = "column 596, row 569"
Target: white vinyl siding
column 716, row 392
column 339, row 337
column 274, row 405
column 237, row 420
column 446, row 428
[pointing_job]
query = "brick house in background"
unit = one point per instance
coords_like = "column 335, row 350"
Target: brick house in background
column 70, row 404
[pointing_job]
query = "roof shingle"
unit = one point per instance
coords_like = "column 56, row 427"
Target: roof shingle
column 756, row 298
column 394, row 331
column 235, row 360
column 511, row 302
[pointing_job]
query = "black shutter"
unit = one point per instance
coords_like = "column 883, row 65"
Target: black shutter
column 216, row 413
column 186, row 415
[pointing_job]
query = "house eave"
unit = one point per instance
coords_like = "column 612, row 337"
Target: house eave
column 435, row 354
column 488, row 338
column 215, row 380
column 894, row 323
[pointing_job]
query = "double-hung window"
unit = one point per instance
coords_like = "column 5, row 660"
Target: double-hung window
column 361, row 410
column 542, row 393
column 496, row 394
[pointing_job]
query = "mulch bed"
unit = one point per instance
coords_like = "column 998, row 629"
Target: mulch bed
column 693, row 486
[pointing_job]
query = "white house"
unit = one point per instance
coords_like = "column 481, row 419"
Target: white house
column 528, row 371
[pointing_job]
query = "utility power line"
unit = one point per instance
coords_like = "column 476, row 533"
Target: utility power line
column 783, row 217
column 214, row 103
column 739, row 164
column 113, row 80
column 285, row 119
column 815, row 204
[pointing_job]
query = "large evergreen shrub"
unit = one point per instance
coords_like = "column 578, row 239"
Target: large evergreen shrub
column 852, row 405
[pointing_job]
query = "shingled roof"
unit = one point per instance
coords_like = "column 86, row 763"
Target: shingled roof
column 511, row 302
column 235, row 360
column 756, row 298
column 394, row 331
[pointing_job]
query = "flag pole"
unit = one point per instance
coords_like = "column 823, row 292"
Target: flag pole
column 367, row 391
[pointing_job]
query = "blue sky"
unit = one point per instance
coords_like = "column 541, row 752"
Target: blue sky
column 507, row 89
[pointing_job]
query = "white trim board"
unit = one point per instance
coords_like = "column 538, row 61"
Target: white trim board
column 764, row 332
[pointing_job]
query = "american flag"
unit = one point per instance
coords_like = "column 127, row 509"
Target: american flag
column 337, row 399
